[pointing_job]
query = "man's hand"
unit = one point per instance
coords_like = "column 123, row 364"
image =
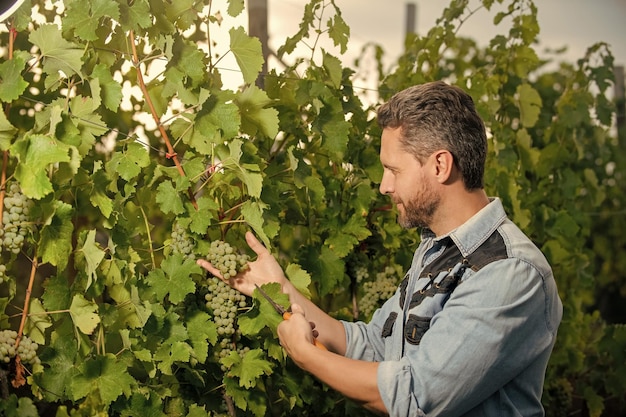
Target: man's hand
column 296, row 333
column 263, row 270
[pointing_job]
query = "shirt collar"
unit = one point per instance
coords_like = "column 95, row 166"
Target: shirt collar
column 471, row 234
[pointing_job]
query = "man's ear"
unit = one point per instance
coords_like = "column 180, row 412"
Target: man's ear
column 444, row 164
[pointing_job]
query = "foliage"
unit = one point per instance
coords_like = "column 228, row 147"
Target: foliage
column 119, row 126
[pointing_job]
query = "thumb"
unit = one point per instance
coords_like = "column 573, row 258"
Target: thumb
column 297, row 309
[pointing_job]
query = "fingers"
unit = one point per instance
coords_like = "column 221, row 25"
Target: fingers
column 255, row 244
column 297, row 309
column 210, row 268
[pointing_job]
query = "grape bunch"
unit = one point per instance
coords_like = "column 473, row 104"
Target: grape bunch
column 226, row 259
column 378, row 290
column 361, row 274
column 227, row 347
column 181, row 242
column 15, row 219
column 225, row 302
column 26, row 350
column 3, row 275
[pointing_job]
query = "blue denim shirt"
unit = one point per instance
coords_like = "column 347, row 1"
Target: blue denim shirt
column 479, row 347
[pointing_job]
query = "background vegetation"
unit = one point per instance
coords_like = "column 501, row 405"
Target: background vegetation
column 114, row 299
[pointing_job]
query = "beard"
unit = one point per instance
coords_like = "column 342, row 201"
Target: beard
column 420, row 209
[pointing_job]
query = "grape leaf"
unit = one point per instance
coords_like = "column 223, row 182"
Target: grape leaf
column 92, row 255
column 133, row 312
column 529, row 103
column 202, row 218
column 35, row 153
column 148, row 404
column 55, row 242
column 58, row 54
column 98, row 197
column 330, row 270
column 247, row 368
column 345, row 237
column 111, row 92
column 202, row 332
column 168, row 354
column 299, row 278
column 335, row 133
column 128, row 164
column 252, row 212
column 169, row 199
column 252, row 180
column 252, row 322
column 84, row 16
column 235, row 7
column 104, row 375
column 7, row 132
column 59, row 356
column 255, row 116
column 136, row 15
column 57, row 295
column 248, row 53
column 12, row 84
column 216, row 122
column 246, row 399
column 37, row 323
column 339, row 31
column 174, row 278
column 332, row 65
column 84, row 314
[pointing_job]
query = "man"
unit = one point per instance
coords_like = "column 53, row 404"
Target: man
column 470, row 329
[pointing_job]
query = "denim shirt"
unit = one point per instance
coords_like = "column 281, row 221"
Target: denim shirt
column 471, row 328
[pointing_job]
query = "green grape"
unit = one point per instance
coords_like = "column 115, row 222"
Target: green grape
column 361, row 274
column 224, row 303
column 377, row 292
column 223, row 257
column 181, row 242
column 27, row 349
column 16, row 222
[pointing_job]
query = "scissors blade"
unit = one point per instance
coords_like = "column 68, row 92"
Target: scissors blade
column 280, row 309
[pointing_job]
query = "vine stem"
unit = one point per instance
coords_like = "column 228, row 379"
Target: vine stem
column 145, row 221
column 171, row 154
column 19, row 380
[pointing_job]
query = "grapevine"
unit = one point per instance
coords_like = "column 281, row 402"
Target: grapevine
column 26, row 350
column 15, row 219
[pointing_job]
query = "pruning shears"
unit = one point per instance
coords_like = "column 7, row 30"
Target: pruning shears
column 285, row 312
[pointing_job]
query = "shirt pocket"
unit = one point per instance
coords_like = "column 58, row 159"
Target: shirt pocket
column 415, row 328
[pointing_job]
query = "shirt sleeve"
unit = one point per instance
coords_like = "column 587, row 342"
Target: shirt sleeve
column 364, row 341
column 494, row 327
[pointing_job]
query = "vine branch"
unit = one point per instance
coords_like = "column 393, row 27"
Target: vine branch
column 19, row 380
column 171, row 154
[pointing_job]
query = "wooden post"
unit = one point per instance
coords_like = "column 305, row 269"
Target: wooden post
column 620, row 101
column 257, row 26
column 411, row 11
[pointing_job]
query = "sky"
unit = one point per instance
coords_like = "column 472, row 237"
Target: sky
column 575, row 24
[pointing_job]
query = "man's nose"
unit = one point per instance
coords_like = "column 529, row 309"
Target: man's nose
column 385, row 186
